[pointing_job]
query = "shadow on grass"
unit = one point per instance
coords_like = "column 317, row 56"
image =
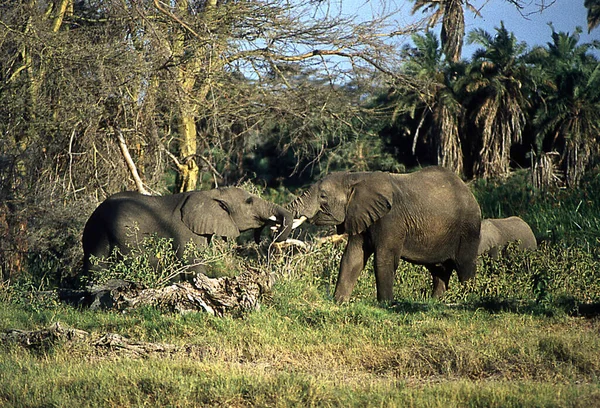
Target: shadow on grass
column 562, row 306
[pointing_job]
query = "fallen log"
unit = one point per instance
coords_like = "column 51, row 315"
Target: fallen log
column 106, row 343
column 216, row 296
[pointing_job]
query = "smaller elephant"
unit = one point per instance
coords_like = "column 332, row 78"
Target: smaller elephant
column 123, row 220
column 496, row 233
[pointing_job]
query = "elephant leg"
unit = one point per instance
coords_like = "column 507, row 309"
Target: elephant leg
column 386, row 264
column 466, row 263
column 355, row 257
column 440, row 274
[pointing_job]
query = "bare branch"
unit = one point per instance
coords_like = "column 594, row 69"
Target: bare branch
column 130, row 164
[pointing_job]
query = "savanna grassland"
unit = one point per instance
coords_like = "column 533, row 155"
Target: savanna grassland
column 524, row 333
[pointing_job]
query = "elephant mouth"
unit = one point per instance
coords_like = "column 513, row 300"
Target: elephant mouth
column 319, row 219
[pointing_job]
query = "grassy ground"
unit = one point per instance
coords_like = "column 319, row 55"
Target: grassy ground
column 504, row 340
column 524, row 333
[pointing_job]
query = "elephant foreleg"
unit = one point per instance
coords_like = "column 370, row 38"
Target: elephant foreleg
column 355, row 256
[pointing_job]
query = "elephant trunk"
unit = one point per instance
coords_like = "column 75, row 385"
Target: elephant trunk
column 285, row 218
column 280, row 216
column 301, row 208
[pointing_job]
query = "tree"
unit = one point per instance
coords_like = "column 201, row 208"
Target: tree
column 568, row 120
column 428, row 103
column 495, row 88
column 593, row 13
column 92, row 90
column 453, row 23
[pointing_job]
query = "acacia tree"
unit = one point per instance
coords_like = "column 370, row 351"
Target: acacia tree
column 94, row 92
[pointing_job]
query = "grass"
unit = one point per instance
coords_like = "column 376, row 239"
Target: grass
column 524, row 333
column 489, row 344
column 315, row 353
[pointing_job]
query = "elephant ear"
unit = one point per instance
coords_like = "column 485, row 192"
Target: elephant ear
column 208, row 216
column 371, row 197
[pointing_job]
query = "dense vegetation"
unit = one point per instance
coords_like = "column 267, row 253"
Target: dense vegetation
column 100, row 96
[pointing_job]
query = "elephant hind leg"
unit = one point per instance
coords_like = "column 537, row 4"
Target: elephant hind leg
column 440, row 274
column 466, row 261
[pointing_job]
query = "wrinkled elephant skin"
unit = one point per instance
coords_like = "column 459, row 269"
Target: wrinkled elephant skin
column 429, row 217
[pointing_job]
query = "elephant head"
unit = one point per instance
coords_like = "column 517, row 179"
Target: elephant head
column 228, row 211
column 351, row 201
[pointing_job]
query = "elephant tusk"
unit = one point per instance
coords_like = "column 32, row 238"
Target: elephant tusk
column 273, row 218
column 298, row 221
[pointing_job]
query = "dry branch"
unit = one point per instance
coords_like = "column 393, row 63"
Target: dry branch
column 57, row 332
column 221, row 296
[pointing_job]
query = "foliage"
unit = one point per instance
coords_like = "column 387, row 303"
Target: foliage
column 563, row 217
column 568, row 121
column 496, row 88
column 155, row 263
column 507, row 107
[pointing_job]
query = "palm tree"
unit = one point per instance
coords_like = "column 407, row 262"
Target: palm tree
column 496, row 100
column 453, row 23
column 593, row 17
column 429, row 104
column 568, row 121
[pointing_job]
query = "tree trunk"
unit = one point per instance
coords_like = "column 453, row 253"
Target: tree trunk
column 188, row 73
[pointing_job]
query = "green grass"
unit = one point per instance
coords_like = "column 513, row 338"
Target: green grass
column 524, row 333
column 315, row 354
column 502, row 340
column 561, row 216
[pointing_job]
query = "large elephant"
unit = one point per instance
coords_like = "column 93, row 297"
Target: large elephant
column 496, row 233
column 125, row 219
column 429, row 217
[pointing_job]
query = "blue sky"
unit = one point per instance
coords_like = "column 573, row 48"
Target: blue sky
column 531, row 27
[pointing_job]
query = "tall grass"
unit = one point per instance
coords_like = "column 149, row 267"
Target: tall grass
column 563, row 217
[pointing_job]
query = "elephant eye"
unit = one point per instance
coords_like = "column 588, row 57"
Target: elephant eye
column 323, row 195
column 249, row 200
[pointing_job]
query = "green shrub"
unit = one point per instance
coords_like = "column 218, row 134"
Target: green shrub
column 155, row 262
column 564, row 217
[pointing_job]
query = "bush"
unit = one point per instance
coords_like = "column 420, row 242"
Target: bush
column 564, row 217
column 155, row 263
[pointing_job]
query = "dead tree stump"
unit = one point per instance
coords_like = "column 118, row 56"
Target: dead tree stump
column 221, row 296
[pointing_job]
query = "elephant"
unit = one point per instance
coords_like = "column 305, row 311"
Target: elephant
column 496, row 233
column 125, row 219
column 429, row 217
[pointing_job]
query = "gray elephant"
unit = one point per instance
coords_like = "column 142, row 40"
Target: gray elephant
column 429, row 217
column 125, row 219
column 496, row 233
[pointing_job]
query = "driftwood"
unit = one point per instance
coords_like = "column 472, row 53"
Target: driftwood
column 220, row 296
column 107, row 343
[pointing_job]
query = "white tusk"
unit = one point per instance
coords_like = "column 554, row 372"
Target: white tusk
column 273, row 218
column 298, row 221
